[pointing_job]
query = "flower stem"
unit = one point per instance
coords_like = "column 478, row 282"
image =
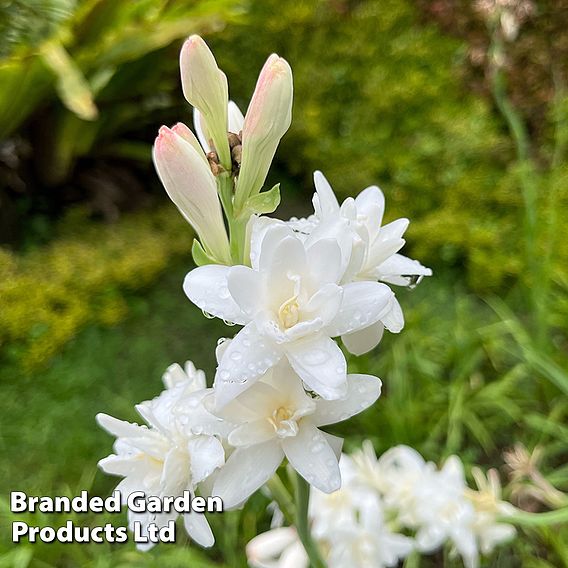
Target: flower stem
column 281, row 495
column 302, row 497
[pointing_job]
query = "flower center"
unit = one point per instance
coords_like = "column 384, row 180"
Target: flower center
column 289, row 313
column 284, row 424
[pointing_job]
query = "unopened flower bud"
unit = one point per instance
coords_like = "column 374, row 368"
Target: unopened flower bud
column 205, row 87
column 187, row 178
column 267, row 119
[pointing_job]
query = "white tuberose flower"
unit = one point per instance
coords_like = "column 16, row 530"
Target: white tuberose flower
column 488, row 507
column 291, row 305
column 369, row 250
column 367, row 541
column 276, row 419
column 277, row 548
column 166, row 458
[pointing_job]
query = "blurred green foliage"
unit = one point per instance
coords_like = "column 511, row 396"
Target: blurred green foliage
column 47, row 296
column 90, row 69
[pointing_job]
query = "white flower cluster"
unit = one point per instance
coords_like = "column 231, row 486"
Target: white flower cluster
column 293, row 286
column 390, row 507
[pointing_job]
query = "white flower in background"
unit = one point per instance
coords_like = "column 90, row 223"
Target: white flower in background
column 291, row 305
column 166, row 457
column 443, row 512
column 276, row 418
column 185, row 174
column 397, row 474
column 369, row 250
column 362, row 524
column 277, row 548
column 367, row 542
column 488, row 507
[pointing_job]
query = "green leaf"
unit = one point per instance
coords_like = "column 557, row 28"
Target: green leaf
column 71, row 85
column 200, row 257
column 265, row 202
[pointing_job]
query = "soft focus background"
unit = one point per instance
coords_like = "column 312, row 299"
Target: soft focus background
column 457, row 109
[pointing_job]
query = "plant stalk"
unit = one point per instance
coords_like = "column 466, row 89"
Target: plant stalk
column 302, row 497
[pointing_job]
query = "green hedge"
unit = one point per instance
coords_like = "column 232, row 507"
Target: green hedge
column 82, row 277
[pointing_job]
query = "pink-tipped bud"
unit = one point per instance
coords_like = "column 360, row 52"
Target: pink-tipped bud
column 205, row 87
column 267, row 119
column 187, row 178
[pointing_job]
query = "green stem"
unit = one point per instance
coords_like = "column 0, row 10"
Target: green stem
column 525, row 519
column 302, row 496
column 281, row 495
column 237, row 227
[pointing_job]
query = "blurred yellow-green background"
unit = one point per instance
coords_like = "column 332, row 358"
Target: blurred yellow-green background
column 460, row 115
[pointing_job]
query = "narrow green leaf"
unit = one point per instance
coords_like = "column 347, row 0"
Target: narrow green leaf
column 72, row 87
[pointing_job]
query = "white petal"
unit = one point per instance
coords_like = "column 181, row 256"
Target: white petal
column 174, row 473
column 335, row 443
column 236, row 118
column 294, row 557
column 245, row 288
column 198, row 529
column 394, row 229
column 379, row 252
column 324, row 261
column 264, row 550
column 320, row 364
column 119, row 465
column 119, row 428
column 324, row 304
column 272, row 235
column 364, row 303
column 362, row 392
column 397, row 268
column 262, row 398
column 393, row 319
column 288, row 257
column 312, row 457
column 252, row 433
column 246, row 470
column 206, row 455
column 246, row 359
column 206, row 287
column 174, row 376
column 371, row 203
column 201, row 130
column 259, row 227
column 327, row 203
column 363, row 340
